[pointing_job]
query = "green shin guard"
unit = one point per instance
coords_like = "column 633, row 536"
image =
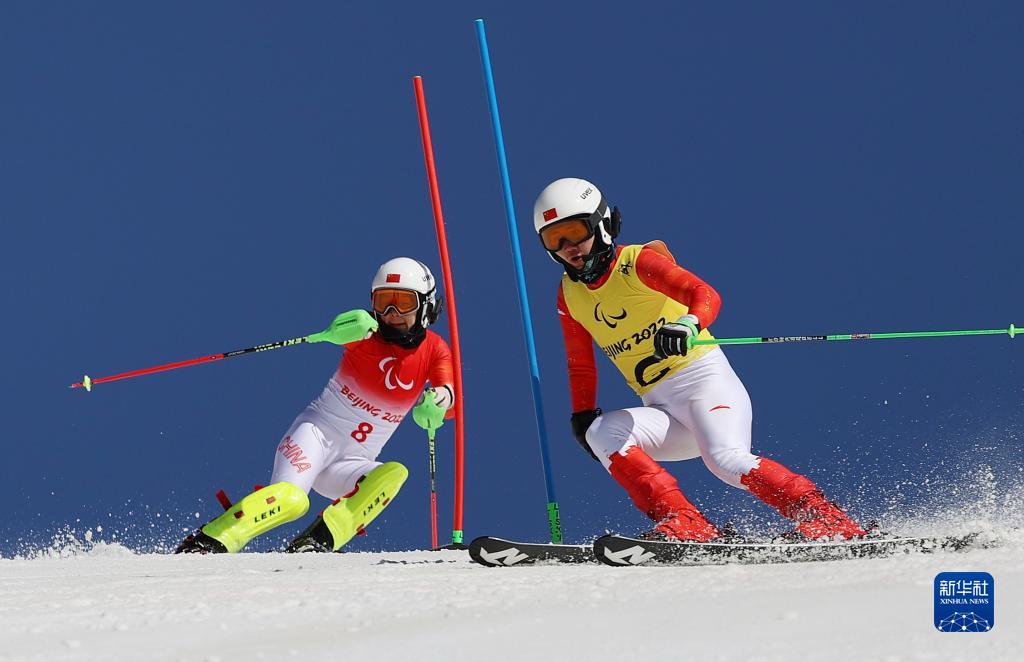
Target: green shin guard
column 345, row 518
column 258, row 513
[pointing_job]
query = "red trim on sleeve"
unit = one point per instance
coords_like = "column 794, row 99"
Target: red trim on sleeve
column 662, row 274
column 441, row 371
column 579, row 348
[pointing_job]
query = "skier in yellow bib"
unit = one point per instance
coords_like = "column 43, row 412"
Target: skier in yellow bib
column 640, row 308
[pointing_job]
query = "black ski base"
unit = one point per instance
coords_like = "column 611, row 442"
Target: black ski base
column 621, row 550
column 494, row 552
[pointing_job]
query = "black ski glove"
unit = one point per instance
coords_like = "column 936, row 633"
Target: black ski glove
column 673, row 338
column 581, row 421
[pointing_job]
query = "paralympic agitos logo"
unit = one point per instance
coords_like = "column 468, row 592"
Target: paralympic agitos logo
column 599, row 316
column 389, row 373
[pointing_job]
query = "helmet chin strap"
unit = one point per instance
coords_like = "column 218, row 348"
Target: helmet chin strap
column 408, row 339
column 596, row 263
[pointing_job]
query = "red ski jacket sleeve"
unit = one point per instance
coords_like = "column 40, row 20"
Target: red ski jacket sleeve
column 661, row 273
column 579, row 348
column 441, row 371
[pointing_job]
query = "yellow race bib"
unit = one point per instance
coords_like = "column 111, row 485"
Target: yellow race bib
column 622, row 316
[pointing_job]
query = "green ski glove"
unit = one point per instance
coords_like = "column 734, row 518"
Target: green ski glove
column 427, row 413
column 347, row 327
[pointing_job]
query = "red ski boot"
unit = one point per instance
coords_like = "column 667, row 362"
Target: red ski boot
column 820, row 518
column 656, row 492
column 799, row 499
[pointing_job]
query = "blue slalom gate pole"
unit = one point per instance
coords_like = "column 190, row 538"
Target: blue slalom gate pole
column 554, row 521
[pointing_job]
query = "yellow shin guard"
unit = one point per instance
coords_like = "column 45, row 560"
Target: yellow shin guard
column 258, row 513
column 373, row 493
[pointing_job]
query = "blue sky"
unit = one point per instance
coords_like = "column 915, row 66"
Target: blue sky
column 190, row 179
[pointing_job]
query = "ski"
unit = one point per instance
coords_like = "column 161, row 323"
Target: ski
column 489, row 551
column 620, row 550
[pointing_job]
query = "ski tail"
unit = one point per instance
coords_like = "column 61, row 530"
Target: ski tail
column 498, row 552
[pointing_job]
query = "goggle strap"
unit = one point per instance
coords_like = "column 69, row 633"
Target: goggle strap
column 598, row 214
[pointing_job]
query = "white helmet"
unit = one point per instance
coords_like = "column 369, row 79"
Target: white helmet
column 399, row 277
column 579, row 201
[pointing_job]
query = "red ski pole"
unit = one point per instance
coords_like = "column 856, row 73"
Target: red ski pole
column 345, row 328
column 87, row 383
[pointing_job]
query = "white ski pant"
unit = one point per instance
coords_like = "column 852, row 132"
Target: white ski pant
column 702, row 410
column 314, row 456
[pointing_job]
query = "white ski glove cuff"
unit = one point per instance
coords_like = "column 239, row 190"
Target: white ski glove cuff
column 444, row 397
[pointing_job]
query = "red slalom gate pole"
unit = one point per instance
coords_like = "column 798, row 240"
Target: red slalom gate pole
column 453, row 318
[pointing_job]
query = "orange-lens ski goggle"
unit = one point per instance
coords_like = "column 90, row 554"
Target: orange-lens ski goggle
column 571, row 230
column 404, row 301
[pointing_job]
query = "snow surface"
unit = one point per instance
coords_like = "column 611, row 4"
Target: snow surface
column 104, row 602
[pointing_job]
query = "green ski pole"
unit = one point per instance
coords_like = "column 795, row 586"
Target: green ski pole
column 692, row 342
